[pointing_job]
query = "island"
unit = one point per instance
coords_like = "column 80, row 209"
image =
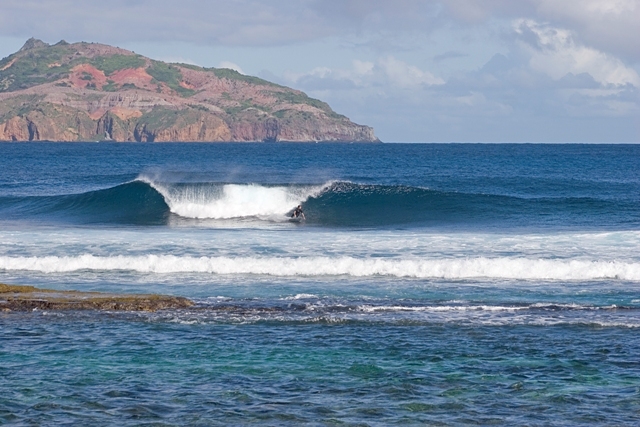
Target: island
column 95, row 92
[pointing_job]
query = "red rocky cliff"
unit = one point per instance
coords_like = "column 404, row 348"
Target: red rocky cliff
column 88, row 92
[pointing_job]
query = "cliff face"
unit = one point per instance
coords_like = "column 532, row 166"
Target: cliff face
column 89, row 92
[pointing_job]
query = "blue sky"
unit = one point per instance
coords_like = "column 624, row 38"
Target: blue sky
column 415, row 70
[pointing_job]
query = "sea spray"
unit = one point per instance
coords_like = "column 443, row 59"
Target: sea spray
column 226, row 201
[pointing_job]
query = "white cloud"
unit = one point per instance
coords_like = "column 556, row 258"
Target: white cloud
column 554, row 52
column 404, row 75
column 386, row 71
column 615, row 7
column 363, row 68
column 211, row 22
column 608, row 25
column 547, row 88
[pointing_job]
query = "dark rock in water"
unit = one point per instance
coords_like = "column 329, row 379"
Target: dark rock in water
column 27, row 298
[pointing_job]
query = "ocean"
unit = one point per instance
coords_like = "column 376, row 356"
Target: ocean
column 430, row 284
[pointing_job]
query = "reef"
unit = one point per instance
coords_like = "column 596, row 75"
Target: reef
column 29, row 298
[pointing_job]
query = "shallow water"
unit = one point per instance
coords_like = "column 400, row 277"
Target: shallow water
column 430, row 284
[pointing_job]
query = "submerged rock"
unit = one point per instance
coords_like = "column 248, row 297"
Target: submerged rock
column 27, row 298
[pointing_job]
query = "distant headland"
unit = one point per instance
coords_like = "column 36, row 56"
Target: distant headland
column 94, row 92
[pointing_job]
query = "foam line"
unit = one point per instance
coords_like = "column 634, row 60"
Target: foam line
column 495, row 268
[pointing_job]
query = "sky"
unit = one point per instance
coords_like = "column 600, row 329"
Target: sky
column 415, row 70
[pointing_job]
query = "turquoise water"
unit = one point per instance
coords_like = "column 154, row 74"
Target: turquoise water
column 132, row 370
column 430, row 284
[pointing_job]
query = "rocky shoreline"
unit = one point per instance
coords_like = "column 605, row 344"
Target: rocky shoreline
column 29, row 298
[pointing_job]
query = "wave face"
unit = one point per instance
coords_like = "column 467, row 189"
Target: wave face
column 318, row 266
column 130, row 203
column 147, row 201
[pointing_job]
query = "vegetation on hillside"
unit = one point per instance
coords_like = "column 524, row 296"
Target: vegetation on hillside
column 111, row 64
column 227, row 73
column 18, row 106
column 34, row 67
column 292, row 97
column 37, row 66
column 110, row 86
column 45, row 64
column 169, row 75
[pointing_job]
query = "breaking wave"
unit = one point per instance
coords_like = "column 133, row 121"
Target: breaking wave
column 468, row 268
column 226, row 201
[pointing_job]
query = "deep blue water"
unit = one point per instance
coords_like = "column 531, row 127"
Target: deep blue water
column 431, row 284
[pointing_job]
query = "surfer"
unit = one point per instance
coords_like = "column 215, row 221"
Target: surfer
column 297, row 213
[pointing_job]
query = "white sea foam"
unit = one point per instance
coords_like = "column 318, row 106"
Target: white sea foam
column 472, row 317
column 300, row 296
column 481, row 267
column 473, row 308
column 439, row 308
column 225, row 201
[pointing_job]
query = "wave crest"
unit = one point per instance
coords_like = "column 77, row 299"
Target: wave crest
column 226, row 201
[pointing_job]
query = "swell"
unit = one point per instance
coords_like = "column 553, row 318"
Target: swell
column 130, row 203
column 146, row 201
column 345, row 203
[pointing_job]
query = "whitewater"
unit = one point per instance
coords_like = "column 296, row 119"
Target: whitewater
column 227, row 201
column 323, row 266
